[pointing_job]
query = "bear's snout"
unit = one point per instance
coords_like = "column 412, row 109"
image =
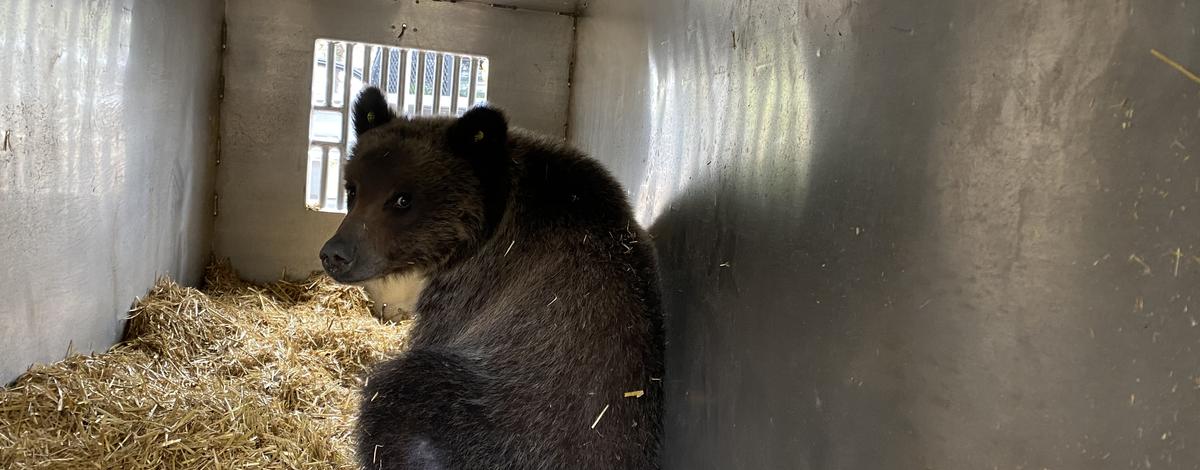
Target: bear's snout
column 336, row 257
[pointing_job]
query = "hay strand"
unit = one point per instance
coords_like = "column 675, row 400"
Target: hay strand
column 1175, row 65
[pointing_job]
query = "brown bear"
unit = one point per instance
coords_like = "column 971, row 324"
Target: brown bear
column 537, row 339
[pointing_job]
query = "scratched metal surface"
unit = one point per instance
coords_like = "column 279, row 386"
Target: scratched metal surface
column 262, row 224
column 557, row 6
column 910, row 235
column 107, row 123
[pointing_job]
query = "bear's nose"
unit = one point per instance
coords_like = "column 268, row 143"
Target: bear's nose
column 335, row 257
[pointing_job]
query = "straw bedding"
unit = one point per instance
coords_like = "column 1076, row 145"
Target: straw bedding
column 234, row 376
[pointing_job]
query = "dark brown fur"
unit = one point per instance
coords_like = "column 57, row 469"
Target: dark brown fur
column 542, row 306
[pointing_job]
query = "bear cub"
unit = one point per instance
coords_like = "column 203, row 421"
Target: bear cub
column 537, row 338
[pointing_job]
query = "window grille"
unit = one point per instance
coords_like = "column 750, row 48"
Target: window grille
column 415, row 82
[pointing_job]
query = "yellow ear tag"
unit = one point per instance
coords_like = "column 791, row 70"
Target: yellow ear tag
column 479, row 136
column 371, row 117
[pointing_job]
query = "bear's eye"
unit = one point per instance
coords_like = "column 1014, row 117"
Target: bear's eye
column 351, row 191
column 402, row 201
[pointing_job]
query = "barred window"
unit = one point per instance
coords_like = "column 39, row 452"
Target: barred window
column 415, row 82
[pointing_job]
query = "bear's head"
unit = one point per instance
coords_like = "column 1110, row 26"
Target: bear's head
column 419, row 191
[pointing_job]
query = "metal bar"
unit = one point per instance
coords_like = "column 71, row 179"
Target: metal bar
column 341, row 189
column 349, row 78
column 420, row 82
column 400, row 72
column 385, row 63
column 324, row 176
column 329, row 65
column 474, row 74
column 439, row 74
column 366, row 64
column 346, row 124
column 455, row 85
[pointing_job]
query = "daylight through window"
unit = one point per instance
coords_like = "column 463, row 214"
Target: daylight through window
column 416, row 82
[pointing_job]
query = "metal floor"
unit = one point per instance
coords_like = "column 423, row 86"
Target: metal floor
column 910, row 235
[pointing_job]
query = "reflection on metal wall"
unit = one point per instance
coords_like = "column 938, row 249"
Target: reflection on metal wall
column 263, row 225
column 107, row 123
column 902, row 234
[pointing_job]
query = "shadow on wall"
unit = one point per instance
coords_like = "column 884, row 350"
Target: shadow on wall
column 922, row 263
column 783, row 252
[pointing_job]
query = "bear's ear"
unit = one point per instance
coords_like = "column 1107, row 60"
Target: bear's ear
column 481, row 131
column 371, row 110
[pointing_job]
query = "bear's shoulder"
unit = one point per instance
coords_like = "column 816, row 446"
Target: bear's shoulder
column 556, row 181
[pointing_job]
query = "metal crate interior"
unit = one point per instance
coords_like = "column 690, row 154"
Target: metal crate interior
column 892, row 234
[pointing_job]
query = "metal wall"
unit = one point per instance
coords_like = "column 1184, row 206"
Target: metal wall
column 912, row 234
column 558, row 6
column 107, row 135
column 262, row 225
